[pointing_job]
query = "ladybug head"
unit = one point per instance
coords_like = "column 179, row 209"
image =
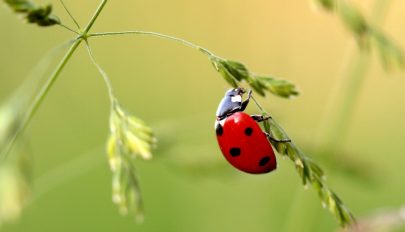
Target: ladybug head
column 235, row 92
column 231, row 103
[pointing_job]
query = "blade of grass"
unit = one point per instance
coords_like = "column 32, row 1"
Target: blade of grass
column 49, row 83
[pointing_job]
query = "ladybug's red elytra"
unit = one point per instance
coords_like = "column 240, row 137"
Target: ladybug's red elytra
column 240, row 138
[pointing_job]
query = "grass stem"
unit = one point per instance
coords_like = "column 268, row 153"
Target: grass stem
column 155, row 34
column 49, row 83
column 103, row 74
column 345, row 101
column 70, row 14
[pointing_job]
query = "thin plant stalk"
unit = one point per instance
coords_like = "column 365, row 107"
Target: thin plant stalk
column 103, row 74
column 39, row 98
column 353, row 79
column 70, row 14
column 340, row 120
column 155, row 34
column 49, row 83
column 68, row 28
column 94, row 17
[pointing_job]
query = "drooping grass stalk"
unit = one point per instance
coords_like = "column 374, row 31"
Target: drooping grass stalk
column 106, row 79
column 353, row 79
column 129, row 138
column 155, row 34
column 232, row 71
column 49, row 83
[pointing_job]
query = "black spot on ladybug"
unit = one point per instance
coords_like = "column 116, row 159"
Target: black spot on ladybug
column 234, row 151
column 219, row 130
column 248, row 131
column 264, row 160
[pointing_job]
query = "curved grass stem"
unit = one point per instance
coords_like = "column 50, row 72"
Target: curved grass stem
column 103, row 74
column 155, row 34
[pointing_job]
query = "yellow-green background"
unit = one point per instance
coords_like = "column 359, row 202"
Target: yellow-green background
column 189, row 186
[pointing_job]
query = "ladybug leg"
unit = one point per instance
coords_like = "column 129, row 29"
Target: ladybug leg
column 269, row 136
column 260, row 118
column 246, row 102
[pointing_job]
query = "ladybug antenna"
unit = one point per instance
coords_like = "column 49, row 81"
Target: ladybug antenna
column 241, row 90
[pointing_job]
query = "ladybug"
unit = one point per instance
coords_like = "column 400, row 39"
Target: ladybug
column 240, row 138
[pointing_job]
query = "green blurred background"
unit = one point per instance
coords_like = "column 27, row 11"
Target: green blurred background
column 189, row 186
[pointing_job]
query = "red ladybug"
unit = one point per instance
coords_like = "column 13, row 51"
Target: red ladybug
column 240, row 138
